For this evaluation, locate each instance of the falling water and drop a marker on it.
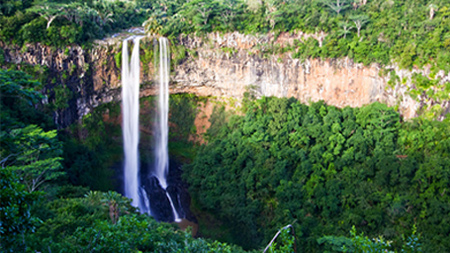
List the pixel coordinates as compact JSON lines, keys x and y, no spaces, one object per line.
{"x":162,"y":126}
{"x":130,"y":108}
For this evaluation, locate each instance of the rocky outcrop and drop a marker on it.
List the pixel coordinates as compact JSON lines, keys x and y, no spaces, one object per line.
{"x":222,"y":65}
{"x":69,"y":67}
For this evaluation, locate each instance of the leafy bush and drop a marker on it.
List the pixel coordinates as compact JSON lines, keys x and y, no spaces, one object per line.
{"x":106,"y":222}
{"x":361,"y":243}
{"x":15,"y":218}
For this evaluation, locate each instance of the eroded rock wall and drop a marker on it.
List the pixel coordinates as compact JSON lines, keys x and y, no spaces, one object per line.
{"x":229,"y":65}
{"x":221,"y":65}
{"x":68,"y":67}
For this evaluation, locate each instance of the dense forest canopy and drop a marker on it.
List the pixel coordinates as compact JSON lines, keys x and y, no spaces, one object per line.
{"x":60,"y":23}
{"x":411,"y":33}
{"x":44,"y":205}
{"x":407,"y":32}
{"x":325,"y":169}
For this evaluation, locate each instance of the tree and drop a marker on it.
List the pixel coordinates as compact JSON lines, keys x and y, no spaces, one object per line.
{"x":50,"y":11}
{"x":15,"y":218}
{"x":26,"y":148}
{"x":254,"y":5}
{"x":205,"y":8}
{"x":35,"y":155}
{"x":327,"y":168}
{"x":82,"y":224}
{"x":345,"y":28}
{"x":152,"y":27}
{"x":433,"y":8}
{"x":228,"y":12}
{"x":271,"y":9}
{"x":337,"y":5}
{"x":18,"y":100}
{"x":9,"y":7}
{"x":199,"y":12}
{"x":360,"y":21}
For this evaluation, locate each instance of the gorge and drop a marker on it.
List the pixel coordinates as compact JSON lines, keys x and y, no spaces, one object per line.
{"x":283,"y":126}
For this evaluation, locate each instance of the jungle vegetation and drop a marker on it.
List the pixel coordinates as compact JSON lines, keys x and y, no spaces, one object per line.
{"x":324,"y":170}
{"x":410,"y":33}
{"x":64,"y":22}
{"x":48,"y":183}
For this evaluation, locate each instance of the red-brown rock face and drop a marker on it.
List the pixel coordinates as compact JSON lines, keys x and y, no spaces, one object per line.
{"x":231,"y":64}
{"x":227,"y":65}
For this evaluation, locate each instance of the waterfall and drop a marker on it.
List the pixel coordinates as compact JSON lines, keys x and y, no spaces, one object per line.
{"x":130,"y":109}
{"x":162,"y":125}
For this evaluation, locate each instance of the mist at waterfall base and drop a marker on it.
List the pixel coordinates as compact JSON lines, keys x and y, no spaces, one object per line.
{"x":154,"y":187}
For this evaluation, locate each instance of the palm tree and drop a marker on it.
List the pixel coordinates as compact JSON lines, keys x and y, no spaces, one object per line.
{"x":50,"y":11}
{"x":433,"y":8}
{"x":345,"y":28}
{"x":337,"y":5}
{"x":360,"y":21}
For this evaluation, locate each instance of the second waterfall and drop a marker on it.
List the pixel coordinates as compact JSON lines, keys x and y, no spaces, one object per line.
{"x":162,"y":122}
{"x":151,"y":192}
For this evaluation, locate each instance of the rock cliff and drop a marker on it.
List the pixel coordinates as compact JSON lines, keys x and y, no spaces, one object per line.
{"x":231,"y":64}
{"x":222,"y":65}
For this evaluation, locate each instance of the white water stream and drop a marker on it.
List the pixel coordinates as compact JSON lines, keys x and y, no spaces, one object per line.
{"x":162,"y":125}
{"x":130,"y":108}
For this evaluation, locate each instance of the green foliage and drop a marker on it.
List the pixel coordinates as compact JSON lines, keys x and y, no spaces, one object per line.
{"x":367,"y":31}
{"x":28,"y":154}
{"x":87,"y":167}
{"x":430,"y":88}
{"x":286,"y":243}
{"x":15,"y":217}
{"x":92,"y":149}
{"x":361,"y":243}
{"x":59,"y":23}
{"x":2,"y":57}
{"x":218,"y":119}
{"x":62,"y":97}
{"x":118,"y":59}
{"x":34,"y":154}
{"x":178,"y":54}
{"x":27,"y":149}
{"x":152,"y":27}
{"x":141,"y":234}
{"x":19,"y":101}
{"x":146,"y":57}
{"x":327,"y":168}
{"x":183,"y":110}
{"x":337,"y":6}
{"x":106,"y":222}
